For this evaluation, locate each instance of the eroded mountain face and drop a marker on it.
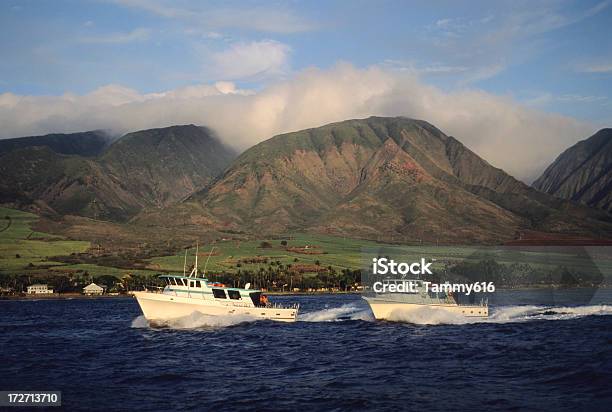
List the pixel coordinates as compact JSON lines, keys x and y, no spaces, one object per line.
{"x":390,"y":177}
{"x":583,"y":173}
{"x":149,"y":168}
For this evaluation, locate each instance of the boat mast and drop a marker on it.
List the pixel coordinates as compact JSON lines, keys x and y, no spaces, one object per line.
{"x":185,"y":264}
{"x":207,"y":259}
{"x":195,"y":269}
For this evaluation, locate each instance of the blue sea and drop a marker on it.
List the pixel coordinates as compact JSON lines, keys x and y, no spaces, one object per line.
{"x":538,"y":351}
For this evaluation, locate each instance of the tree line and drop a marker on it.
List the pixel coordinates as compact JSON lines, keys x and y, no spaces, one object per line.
{"x":276,"y":277}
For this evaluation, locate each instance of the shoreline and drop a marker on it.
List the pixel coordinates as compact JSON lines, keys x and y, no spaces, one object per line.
{"x":61,"y":296}
{"x":71,"y":296}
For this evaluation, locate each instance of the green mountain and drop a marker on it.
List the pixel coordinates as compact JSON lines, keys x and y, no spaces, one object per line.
{"x":150,"y":168}
{"x":89,"y":144}
{"x":162,"y":166}
{"x":582,"y":173}
{"x":380,"y":178}
{"x":39,"y":179}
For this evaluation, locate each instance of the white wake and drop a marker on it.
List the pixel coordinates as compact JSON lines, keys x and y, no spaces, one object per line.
{"x":501,"y":314}
{"x":196,"y":320}
{"x":348,"y":311}
{"x":422,"y":316}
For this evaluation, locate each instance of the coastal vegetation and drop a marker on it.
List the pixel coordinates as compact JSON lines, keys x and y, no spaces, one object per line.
{"x":297,"y":262}
{"x":28,"y":256}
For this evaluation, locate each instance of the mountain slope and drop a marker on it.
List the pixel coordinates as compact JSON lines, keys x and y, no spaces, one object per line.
{"x":378,"y":177}
{"x":84,"y":144}
{"x":161,"y":166}
{"x":150,"y":168}
{"x":41,"y":179}
{"x":582,"y":173}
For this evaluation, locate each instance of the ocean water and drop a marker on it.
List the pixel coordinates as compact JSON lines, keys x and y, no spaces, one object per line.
{"x":103,"y":355}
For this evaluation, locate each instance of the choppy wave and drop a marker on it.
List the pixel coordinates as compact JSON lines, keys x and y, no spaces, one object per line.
{"x":349,"y":311}
{"x":422,"y":316}
{"x":501,"y":314}
{"x":140,"y":322}
{"x":196,"y":320}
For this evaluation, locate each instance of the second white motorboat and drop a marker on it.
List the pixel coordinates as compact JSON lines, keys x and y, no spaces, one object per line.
{"x":391,"y":306}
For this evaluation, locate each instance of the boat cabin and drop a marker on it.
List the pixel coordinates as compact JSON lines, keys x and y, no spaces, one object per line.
{"x":202,"y":288}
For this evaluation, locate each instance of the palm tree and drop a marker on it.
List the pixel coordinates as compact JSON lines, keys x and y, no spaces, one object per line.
{"x":126,"y":280}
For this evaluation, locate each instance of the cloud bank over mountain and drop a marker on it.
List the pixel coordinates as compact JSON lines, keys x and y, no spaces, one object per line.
{"x":516,"y":138}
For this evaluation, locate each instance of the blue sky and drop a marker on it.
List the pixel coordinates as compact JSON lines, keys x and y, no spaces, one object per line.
{"x":555,"y":55}
{"x":534,"y":56}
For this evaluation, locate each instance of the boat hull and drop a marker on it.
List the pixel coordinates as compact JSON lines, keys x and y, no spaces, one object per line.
{"x":161,"y":308}
{"x":385,"y":310}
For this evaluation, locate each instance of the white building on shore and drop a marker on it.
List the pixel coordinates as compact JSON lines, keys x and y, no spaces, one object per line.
{"x":39,"y":289}
{"x":93,"y":289}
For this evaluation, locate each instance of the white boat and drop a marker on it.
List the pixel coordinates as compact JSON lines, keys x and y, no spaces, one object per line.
{"x":183,"y":295}
{"x":390,"y":306}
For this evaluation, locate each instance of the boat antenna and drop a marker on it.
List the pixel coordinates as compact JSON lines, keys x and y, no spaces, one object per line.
{"x":185,"y":263}
{"x":208,"y":258}
{"x":195,"y":269}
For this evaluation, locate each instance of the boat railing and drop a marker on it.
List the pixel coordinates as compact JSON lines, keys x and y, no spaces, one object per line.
{"x":228,"y":302}
{"x":281,"y":306}
{"x":484,"y":302}
{"x":276,"y":305}
{"x":238,"y":303}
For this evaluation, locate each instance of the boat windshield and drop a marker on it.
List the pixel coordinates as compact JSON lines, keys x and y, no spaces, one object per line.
{"x":219,"y":293}
{"x":256,"y":298}
{"x":233,"y":294}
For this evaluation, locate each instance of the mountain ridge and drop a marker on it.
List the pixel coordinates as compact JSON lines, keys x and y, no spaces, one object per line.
{"x":87,"y":144}
{"x":582,"y":173}
{"x":148,"y":168}
{"x":376,"y":177}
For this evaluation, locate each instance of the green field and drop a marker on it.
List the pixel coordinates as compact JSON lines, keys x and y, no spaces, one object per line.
{"x":340,"y":253}
{"x":337,"y":252}
{"x":20,"y":246}
{"x":26,"y":251}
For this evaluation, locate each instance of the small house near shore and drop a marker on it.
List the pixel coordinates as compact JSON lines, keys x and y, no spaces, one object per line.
{"x":93,"y":289}
{"x":39,"y":289}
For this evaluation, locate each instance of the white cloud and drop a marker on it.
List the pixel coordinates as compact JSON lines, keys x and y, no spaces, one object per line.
{"x":423,"y":69}
{"x":493,"y":42}
{"x":275,"y":19}
{"x":507,"y":134}
{"x":544,"y":99}
{"x":538,"y":18}
{"x":597,"y":68}
{"x":139,"y":34}
{"x":482,"y":73}
{"x":579,"y":98}
{"x":443,"y":23}
{"x":257,"y":59}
